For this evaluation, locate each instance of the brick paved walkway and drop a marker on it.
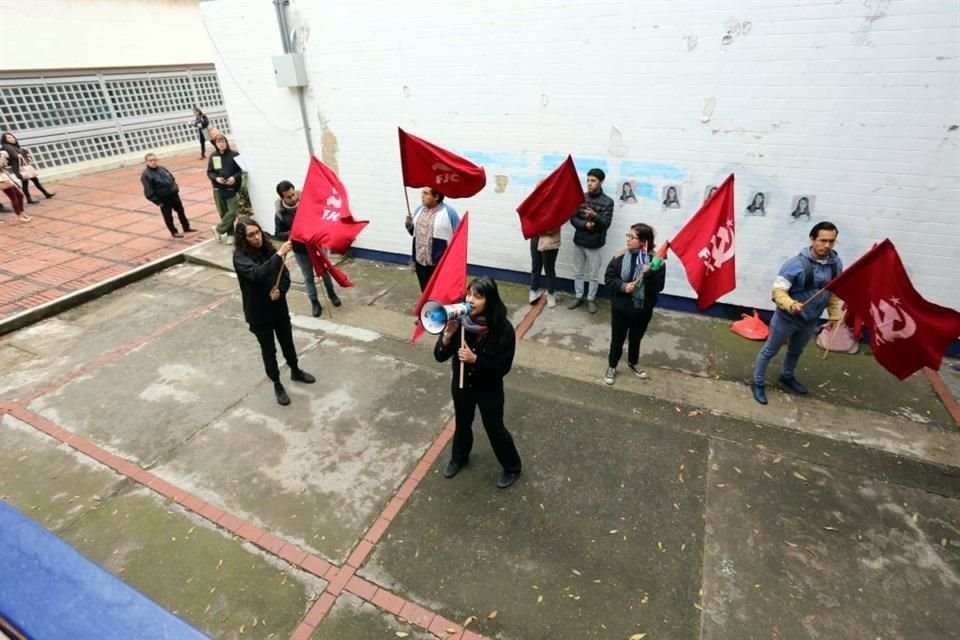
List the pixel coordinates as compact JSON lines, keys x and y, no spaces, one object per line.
{"x":98,"y":226}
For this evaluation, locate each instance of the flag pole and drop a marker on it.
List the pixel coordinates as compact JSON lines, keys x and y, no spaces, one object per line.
{"x":406,"y":197}
{"x":836,"y":330}
{"x":813,"y":297}
{"x":463,"y":343}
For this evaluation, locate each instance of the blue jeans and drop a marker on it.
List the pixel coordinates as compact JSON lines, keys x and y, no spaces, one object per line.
{"x":309,"y":281}
{"x":796,"y":336}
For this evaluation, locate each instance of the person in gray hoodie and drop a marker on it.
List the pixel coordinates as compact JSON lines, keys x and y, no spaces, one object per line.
{"x":796,"y":292}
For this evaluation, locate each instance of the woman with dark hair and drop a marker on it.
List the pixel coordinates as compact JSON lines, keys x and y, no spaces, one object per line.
{"x":803,"y":208}
{"x":227,"y":177}
{"x":21,"y":165}
{"x":202,"y":124}
{"x":634,"y":289}
{"x":670,"y":199}
{"x":264,"y":282}
{"x":626,"y":193}
{"x":487,"y":357}
{"x":9,"y":186}
{"x":757,"y":206}
{"x":432,"y":226}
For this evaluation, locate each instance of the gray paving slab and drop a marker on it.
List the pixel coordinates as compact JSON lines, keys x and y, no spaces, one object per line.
{"x":600,"y":538}
{"x":320,"y":470}
{"x":227,"y":589}
{"x":353,"y":619}
{"x":39,"y":354}
{"x":153,"y":398}
{"x":50,"y":482}
{"x":796,"y":550}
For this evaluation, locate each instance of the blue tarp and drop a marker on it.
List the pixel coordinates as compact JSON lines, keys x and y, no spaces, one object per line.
{"x":48,"y":591}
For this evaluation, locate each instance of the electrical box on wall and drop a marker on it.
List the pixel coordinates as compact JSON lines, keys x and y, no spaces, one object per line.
{"x":289,"y":70}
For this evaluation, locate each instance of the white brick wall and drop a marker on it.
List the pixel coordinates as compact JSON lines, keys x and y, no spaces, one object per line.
{"x":850,"y":101}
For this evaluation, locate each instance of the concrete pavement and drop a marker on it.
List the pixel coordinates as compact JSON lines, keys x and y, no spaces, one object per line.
{"x":142,"y":430}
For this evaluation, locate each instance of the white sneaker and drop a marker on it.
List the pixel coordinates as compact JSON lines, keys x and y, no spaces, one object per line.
{"x":551,"y":300}
{"x":216,"y":234}
{"x":640,"y":373}
{"x":610,"y":376}
{"x":534,"y":296}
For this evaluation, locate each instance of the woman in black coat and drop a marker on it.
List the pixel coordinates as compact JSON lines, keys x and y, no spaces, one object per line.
{"x":634,"y":288}
{"x":226,"y":176}
{"x":17,"y":157}
{"x":487,"y":357}
{"x":265,"y":300}
{"x":202,"y":124}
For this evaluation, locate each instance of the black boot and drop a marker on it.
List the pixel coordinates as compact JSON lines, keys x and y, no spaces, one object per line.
{"x":31,"y":200}
{"x":299,"y":375}
{"x":282,"y":396}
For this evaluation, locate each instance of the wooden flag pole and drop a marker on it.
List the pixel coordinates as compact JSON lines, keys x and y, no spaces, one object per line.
{"x":813,"y":297}
{"x":463,"y":343}
{"x":406,"y":197}
{"x":836,"y":330}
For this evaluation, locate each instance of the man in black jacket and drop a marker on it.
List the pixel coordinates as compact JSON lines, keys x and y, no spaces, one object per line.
{"x":286,"y":209}
{"x":591,"y":222}
{"x":160,"y":188}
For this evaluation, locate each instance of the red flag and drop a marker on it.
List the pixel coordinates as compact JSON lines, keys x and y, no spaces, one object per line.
{"x":448,"y":284}
{"x":553,"y":201}
{"x":427,"y":165}
{"x":323,"y":216}
{"x":705,"y":246}
{"x":322,"y":265}
{"x":907,"y":332}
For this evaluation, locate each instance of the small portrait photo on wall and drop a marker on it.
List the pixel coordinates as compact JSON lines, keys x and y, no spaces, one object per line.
{"x":628,"y":192}
{"x":802,"y":207}
{"x":758,"y":204}
{"x":709,"y":191}
{"x":671,"y":197}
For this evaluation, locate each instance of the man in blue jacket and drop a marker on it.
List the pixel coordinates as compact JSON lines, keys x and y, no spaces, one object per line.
{"x":799,"y":307}
{"x":591,"y":222}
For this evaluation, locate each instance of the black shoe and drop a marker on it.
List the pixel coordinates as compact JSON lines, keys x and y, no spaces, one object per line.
{"x":334,"y":298}
{"x":793,"y":385}
{"x":759,"y":393}
{"x":576,"y":303}
{"x":453,"y":468}
{"x":299,"y":375}
{"x":282,"y":396}
{"x":188,"y":230}
{"x":507,"y":478}
{"x":48,"y":195}
{"x":176,"y":234}
{"x":32,"y":201}
{"x":317,"y":308}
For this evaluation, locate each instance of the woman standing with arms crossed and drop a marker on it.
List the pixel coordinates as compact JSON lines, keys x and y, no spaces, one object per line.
{"x":264,"y":282}
{"x":634,"y":288}
{"x":487,"y":357}
{"x":202,"y":124}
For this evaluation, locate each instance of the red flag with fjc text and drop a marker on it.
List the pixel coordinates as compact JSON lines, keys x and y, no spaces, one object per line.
{"x":705,"y":246}
{"x":552,"y":203}
{"x":448,"y":284}
{"x":427,"y":165}
{"x":907,"y":332}
{"x":323,"y":216}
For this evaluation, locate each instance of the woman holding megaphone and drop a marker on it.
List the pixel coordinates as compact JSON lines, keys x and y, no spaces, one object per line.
{"x":484,"y":341}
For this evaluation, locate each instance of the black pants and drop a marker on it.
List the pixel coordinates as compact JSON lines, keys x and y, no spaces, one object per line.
{"x":268,"y":349}
{"x":542,"y":260}
{"x":423,"y":274}
{"x":624,"y":324}
{"x":25,"y":184}
{"x":490,"y":402}
{"x":169,"y":204}
{"x":203,"y":144}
